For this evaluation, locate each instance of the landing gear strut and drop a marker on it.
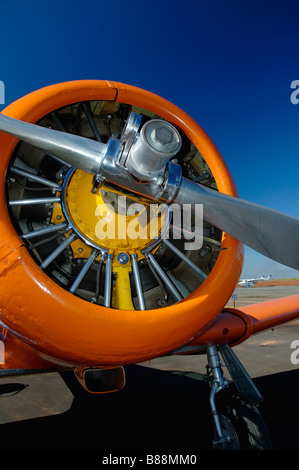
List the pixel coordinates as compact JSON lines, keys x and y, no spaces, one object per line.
{"x":238,"y":423}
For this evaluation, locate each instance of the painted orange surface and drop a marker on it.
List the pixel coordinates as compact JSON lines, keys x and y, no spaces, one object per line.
{"x":235,"y":325}
{"x":70,"y":331}
{"x":271,"y":313}
{"x":278,"y":282}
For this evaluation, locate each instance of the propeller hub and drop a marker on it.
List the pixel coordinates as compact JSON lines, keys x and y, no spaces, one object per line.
{"x":156,"y":144}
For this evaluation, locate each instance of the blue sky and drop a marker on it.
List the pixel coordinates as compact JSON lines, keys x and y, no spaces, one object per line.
{"x":229,"y":64}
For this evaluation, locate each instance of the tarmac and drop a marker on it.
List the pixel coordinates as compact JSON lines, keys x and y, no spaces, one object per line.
{"x":164,"y":406}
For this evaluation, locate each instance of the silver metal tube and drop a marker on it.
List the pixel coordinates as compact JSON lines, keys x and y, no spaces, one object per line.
{"x":44,"y":231}
{"x":58,"y":250}
{"x":215,"y":413}
{"x":108,"y":279}
{"x":83,"y":271}
{"x":217,"y":384}
{"x":215,"y":364}
{"x":38,"y":179}
{"x":169,"y":285}
{"x":138,"y":285}
{"x":185,"y":258}
{"x":32,"y":202}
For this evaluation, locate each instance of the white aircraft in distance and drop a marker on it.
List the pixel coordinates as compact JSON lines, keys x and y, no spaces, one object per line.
{"x":252,"y":282}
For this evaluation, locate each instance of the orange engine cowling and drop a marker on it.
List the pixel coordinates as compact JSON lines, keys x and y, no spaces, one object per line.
{"x":57,"y":273}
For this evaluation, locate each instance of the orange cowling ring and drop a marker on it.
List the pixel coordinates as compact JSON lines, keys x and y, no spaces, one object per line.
{"x":70,"y":330}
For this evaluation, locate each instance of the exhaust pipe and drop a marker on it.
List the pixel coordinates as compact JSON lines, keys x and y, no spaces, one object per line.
{"x":101,"y":380}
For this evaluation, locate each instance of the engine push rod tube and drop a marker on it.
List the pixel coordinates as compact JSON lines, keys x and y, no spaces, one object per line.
{"x":45,"y":231}
{"x":33,"y":177}
{"x":58,"y":250}
{"x":83,"y":271}
{"x":168,"y":283}
{"x":138,"y":284}
{"x":184,"y":258}
{"x":108,"y":281}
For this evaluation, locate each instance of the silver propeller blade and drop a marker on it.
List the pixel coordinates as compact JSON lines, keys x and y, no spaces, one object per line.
{"x":267,"y":231}
{"x":75,"y":150}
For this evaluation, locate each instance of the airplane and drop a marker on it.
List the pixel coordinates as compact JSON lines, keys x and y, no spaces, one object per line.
{"x":252,"y":282}
{"x":73,"y":299}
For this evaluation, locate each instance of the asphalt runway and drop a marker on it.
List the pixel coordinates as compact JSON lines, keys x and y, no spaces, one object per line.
{"x":164,"y":406}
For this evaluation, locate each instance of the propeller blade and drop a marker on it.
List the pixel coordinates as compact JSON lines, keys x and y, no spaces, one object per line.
{"x":78,"y":151}
{"x":267,"y":231}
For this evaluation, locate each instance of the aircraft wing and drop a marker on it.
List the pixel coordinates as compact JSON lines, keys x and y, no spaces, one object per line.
{"x":235,"y":325}
{"x":256,"y":279}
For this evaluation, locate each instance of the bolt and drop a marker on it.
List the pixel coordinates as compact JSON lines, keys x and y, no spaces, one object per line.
{"x":163,"y":135}
{"x":122,"y":258}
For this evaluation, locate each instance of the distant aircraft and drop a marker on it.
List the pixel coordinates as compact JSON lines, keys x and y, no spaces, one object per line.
{"x":252,"y":282}
{"x":72,"y":300}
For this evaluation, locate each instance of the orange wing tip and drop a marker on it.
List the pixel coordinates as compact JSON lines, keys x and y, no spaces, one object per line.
{"x":234,"y":326}
{"x":265,"y":315}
